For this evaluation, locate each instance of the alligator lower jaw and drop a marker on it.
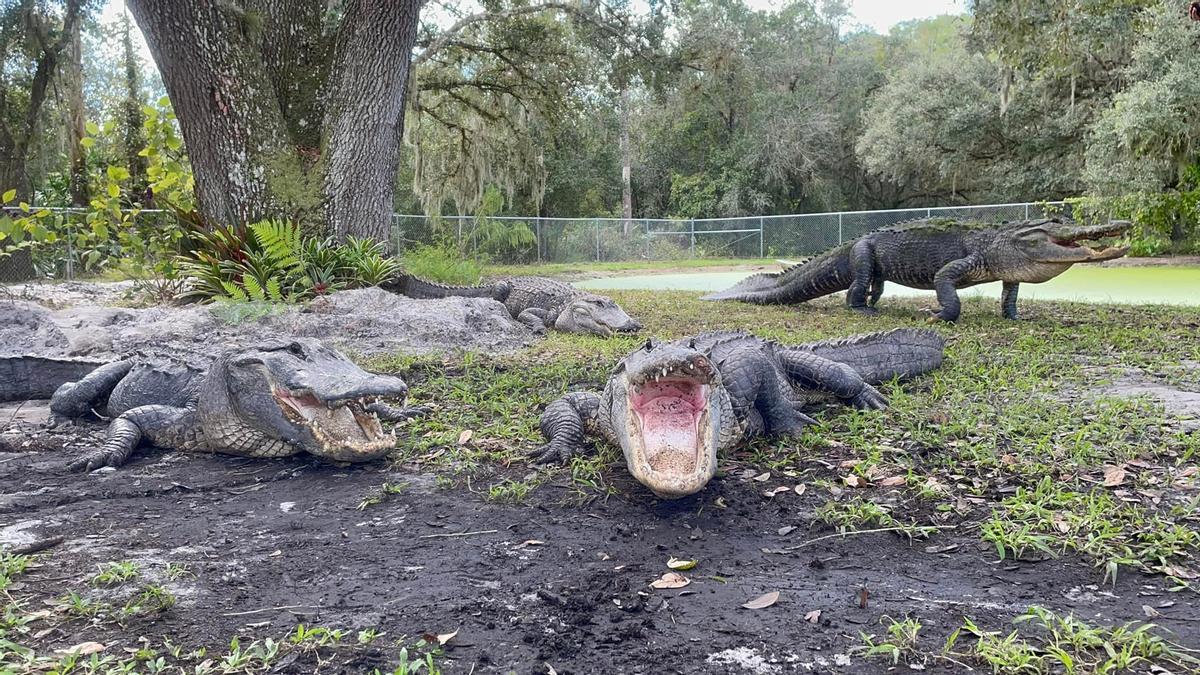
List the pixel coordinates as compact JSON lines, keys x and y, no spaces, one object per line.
{"x":342,"y":427}
{"x":671,"y":434}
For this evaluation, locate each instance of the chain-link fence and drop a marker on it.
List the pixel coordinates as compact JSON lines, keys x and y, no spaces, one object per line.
{"x":80,"y":246}
{"x":514,"y":239}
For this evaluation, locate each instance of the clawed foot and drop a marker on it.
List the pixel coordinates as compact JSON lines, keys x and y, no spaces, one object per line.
{"x":869,"y":398}
{"x":556,"y":453}
{"x":94,"y":459}
{"x":937,"y":316}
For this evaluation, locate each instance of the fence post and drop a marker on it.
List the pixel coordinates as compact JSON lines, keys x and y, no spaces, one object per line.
{"x":1027,"y":211}
{"x":692,"y":228}
{"x":840,"y":237}
{"x":458,"y":240}
{"x":70,"y":251}
{"x":761,"y":252}
{"x":928,"y":213}
{"x":646,"y":227}
{"x":597,"y":222}
{"x":537,"y":229}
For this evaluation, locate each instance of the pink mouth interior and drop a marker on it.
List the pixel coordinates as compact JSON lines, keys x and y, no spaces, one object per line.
{"x":669,"y":411}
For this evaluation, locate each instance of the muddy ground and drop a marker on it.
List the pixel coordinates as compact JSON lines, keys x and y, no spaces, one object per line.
{"x":273,"y":543}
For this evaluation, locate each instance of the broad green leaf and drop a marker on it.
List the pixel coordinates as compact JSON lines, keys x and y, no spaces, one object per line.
{"x":117,"y":173}
{"x":87,"y":141}
{"x":9,"y":196}
{"x":93,"y":129}
{"x":24,"y":206}
{"x":114,"y":190}
{"x":164,"y":102}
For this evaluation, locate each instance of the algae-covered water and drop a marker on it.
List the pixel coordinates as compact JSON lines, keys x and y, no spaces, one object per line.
{"x":1135,"y":285}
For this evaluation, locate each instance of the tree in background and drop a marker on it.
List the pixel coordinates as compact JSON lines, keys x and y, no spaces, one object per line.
{"x":133,"y":138}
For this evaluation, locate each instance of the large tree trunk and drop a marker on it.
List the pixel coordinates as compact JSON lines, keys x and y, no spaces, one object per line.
{"x":133,"y":138}
{"x":626,"y":165}
{"x":280,"y":112}
{"x":77,"y":123}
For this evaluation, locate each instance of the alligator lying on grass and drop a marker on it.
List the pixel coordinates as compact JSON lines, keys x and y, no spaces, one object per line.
{"x":937,"y":253}
{"x":537,"y":302}
{"x":672,"y":406}
{"x":272,"y":400}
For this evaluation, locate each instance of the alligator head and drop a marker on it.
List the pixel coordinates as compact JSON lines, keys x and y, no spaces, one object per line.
{"x":1051,"y":241}
{"x":595,"y":314}
{"x":303,"y":393}
{"x":670,"y":412}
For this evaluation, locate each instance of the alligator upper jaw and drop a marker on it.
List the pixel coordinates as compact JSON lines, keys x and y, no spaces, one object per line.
{"x":671,"y":444}
{"x":1071,"y":245}
{"x":344,"y":423}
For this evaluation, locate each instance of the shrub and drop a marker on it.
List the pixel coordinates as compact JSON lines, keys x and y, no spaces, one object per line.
{"x":443,"y":263}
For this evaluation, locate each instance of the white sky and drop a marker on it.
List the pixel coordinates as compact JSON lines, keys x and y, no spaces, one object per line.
{"x":881,"y":15}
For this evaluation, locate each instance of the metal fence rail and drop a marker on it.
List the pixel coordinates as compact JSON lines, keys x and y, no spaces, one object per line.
{"x":614,"y":239}
{"x":516,"y":239}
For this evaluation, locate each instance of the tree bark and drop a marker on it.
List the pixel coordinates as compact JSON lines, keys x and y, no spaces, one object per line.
{"x":626,"y":166}
{"x":132,"y":138}
{"x":77,"y":122}
{"x":270,"y":94}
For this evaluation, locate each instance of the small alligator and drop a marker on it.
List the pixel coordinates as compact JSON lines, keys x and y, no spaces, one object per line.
{"x":271,"y":400}
{"x":672,"y":406}
{"x":537,"y":302}
{"x":936,"y":253}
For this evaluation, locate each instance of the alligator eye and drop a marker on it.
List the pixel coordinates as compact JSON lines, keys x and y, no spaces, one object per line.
{"x":649,"y":346}
{"x":296,"y":348}
{"x":692,"y":343}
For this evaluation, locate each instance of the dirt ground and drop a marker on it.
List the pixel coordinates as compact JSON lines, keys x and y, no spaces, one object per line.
{"x":273,"y":543}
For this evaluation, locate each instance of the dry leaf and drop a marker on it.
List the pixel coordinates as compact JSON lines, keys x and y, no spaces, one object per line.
{"x":855,"y":481}
{"x":1178,"y":572}
{"x":1150,"y":611}
{"x":1113,"y":475}
{"x":83,"y":648}
{"x":763,"y":477}
{"x":720,"y":503}
{"x":763,"y":601}
{"x":677,"y":564}
{"x":799,"y":489}
{"x":774,"y":491}
{"x":465,"y":436}
{"x":1062,"y":525}
{"x":813,"y":616}
{"x":863,"y":595}
{"x":892,"y":481}
{"x":439,"y":639}
{"x":530,"y":542}
{"x":670,"y":580}
{"x":786,"y":530}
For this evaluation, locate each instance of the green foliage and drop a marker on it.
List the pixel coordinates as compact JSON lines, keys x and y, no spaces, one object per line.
{"x":270,"y":262}
{"x":443,"y":263}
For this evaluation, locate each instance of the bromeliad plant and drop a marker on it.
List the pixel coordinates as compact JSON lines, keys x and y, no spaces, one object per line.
{"x":271,"y":261}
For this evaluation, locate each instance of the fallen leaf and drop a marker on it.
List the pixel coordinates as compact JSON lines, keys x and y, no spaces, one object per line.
{"x":465,"y":436}
{"x":799,"y":489}
{"x":1178,"y":572}
{"x":763,"y":601}
{"x":1113,"y":475}
{"x":774,"y":491}
{"x":275,"y":554}
{"x":892,"y":481}
{"x":863,"y":595}
{"x":813,"y":616}
{"x":670,"y":580}
{"x":83,"y":648}
{"x":530,"y":542}
{"x":677,"y":564}
{"x":1062,"y":525}
{"x":720,"y":503}
{"x":1150,"y":611}
{"x":855,"y":481}
{"x":786,"y":530}
{"x":763,"y":477}
{"x":850,"y":463}
{"x":550,"y":669}
{"x":440,"y":638}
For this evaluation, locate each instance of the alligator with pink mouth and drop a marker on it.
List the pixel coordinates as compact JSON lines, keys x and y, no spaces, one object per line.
{"x":672,"y":406}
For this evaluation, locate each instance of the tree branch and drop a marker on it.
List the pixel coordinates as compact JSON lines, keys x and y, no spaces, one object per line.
{"x":462,"y":23}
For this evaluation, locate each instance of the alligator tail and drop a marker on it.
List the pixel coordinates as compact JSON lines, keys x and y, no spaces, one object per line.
{"x":416,"y":287}
{"x":826,"y":273}
{"x":879,"y":357}
{"x":24,"y":378}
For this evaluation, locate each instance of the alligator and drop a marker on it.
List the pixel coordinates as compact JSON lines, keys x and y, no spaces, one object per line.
{"x":270,"y":400}
{"x":935,"y":253}
{"x":672,"y":406}
{"x":537,"y":302}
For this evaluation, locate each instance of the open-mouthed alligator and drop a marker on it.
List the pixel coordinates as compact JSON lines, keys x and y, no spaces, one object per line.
{"x":671,"y":407}
{"x":935,"y":253}
{"x":271,"y":400}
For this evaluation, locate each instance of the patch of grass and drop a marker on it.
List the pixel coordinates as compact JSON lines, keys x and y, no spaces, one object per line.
{"x":509,"y":491}
{"x":1053,"y":643}
{"x":442,"y":263}
{"x":379,"y":496}
{"x":862,"y":514}
{"x":584,"y":268}
{"x":113,"y":573}
{"x":11,"y":567}
{"x":899,"y":642}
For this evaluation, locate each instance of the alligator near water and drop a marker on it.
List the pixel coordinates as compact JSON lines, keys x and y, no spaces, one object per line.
{"x":537,"y":302}
{"x":934,"y":253}
{"x":271,"y":400}
{"x":672,"y":406}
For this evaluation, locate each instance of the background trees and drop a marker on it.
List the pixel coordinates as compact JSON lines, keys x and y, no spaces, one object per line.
{"x":698,"y":108}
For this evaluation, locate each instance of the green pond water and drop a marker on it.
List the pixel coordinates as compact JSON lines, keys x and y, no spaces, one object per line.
{"x":1137,"y":285}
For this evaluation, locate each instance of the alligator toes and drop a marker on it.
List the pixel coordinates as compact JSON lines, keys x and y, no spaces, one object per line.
{"x":91,"y":461}
{"x":869,"y":398}
{"x":555,"y":454}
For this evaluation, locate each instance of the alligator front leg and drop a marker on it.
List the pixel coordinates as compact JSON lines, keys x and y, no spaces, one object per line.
{"x":862,"y":270}
{"x":160,"y":424}
{"x":535,"y":319}
{"x":1008,"y":299}
{"x":393,"y":413}
{"x":945,"y":282}
{"x":817,"y":372}
{"x":565,"y":425}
